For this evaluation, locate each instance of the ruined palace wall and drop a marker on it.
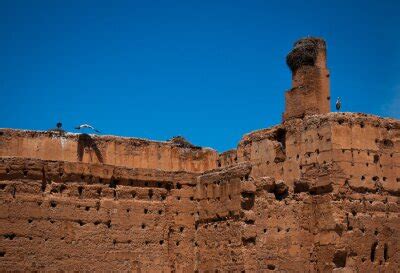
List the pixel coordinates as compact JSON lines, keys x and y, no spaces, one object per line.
{"x":327,"y":194}
{"x":126,"y":152}
{"x":223,"y":196}
{"x":78,"y":216}
{"x":311,"y":195}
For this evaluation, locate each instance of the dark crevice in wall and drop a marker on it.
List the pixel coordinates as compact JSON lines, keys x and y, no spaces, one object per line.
{"x":248,"y":199}
{"x":249,"y":241}
{"x":373,"y":251}
{"x":386,"y":252}
{"x":339,"y":258}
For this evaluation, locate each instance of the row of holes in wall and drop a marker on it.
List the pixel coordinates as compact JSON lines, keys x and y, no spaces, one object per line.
{"x":80,"y":191}
{"x":168,"y":185}
{"x":11,"y":236}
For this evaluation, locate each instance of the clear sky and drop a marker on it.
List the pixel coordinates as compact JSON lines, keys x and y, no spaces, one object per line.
{"x":208,"y":70}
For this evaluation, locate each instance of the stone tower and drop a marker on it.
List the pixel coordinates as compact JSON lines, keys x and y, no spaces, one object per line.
{"x":310,"y":93}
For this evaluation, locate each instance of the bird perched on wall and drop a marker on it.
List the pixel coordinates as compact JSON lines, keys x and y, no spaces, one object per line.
{"x":86,"y":126}
{"x":58,"y":129}
{"x":338,"y":104}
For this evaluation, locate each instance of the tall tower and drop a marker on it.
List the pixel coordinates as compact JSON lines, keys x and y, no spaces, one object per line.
{"x":310,"y":92}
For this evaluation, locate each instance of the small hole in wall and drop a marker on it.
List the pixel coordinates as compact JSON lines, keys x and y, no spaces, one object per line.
{"x":373,"y":251}
{"x":97,"y":205}
{"x":133,"y":194}
{"x":376,"y":158}
{"x":145,"y":211}
{"x":191,"y":198}
{"x":271,"y":267}
{"x":30,"y":221}
{"x":99,"y":191}
{"x":362,"y":177}
{"x":146,"y":184}
{"x":87,"y":208}
{"x":80,"y":190}
{"x":317,"y":151}
{"x":25,"y":173}
{"x":161,"y":242}
{"x":178,"y":198}
{"x":10,"y":236}
{"x":160,"y":212}
{"x":177,"y":243}
{"x":265,"y":230}
{"x":375,"y":178}
{"x":178,"y":186}
{"x":386,"y":252}
{"x":384,"y":178}
{"x":362,"y":125}
{"x":151,"y":194}
{"x":2,"y":253}
{"x":53,"y":204}
{"x":339,"y":258}
{"x":367,"y":164}
{"x":181,"y":229}
{"x":113,"y":183}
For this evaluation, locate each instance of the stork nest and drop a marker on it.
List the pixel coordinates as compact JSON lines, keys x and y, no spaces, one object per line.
{"x":304,"y":53}
{"x":180,"y":141}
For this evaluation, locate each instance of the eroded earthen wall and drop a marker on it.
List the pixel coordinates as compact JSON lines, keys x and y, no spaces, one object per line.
{"x":317,"y":194}
{"x":116,"y":151}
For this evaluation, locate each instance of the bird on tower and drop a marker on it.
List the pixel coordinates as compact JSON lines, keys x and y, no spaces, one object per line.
{"x":338,"y":104}
{"x":86,"y":126}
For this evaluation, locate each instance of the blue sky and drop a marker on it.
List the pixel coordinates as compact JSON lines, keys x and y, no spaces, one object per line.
{"x":208,"y":70}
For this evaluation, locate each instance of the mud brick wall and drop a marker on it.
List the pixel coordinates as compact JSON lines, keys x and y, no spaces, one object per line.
{"x":317,"y":194}
{"x":78,"y":216}
{"x":224,"y":198}
{"x":116,"y":151}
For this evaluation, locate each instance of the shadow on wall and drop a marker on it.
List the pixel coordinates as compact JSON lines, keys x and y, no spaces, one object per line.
{"x":86,"y":141}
